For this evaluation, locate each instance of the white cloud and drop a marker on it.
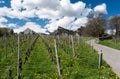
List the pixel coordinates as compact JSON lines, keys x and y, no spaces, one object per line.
{"x":50,"y":4}
{"x":48,"y":13}
{"x":67,"y":23}
{"x":72,"y":10}
{"x":63,"y":22}
{"x":2,"y":19}
{"x":4,"y":11}
{"x":59,"y":12}
{"x":11,"y":25}
{"x":16,"y":4}
{"x":101,"y":8}
{"x":1,"y":25}
{"x":110,"y":31}
{"x":79,"y":22}
{"x":46,"y":9}
{"x":33,"y":26}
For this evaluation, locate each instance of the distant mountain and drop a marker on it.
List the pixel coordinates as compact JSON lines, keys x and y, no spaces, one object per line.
{"x":62,"y":31}
{"x":28,"y":31}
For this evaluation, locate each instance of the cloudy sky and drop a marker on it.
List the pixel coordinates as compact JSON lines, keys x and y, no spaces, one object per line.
{"x":47,"y":15}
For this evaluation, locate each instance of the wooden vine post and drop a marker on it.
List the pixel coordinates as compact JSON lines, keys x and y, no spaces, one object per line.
{"x":10,"y":73}
{"x":57,"y":58}
{"x":73,"y":46}
{"x":5,"y":46}
{"x":78,"y":40}
{"x":18,"y":67}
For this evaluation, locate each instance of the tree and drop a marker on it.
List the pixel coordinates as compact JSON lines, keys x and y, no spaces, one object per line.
{"x":82,"y":31}
{"x":115,"y":22}
{"x":4,"y":31}
{"x":96,"y":26}
{"x":11,"y":32}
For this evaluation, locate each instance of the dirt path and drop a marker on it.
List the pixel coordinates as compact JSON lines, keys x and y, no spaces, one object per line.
{"x":110,"y":55}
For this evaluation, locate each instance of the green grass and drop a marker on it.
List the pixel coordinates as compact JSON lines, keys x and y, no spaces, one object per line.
{"x":111,"y":44}
{"x":39,"y":65}
{"x":85,"y":66}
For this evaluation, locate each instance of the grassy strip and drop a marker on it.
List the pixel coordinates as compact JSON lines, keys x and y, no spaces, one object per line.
{"x":88,"y":38}
{"x":39,"y":65}
{"x":111,"y":44}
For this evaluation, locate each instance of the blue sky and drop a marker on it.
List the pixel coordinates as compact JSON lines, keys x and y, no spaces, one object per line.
{"x":43,"y":15}
{"x":112,"y":5}
{"x":5,"y":3}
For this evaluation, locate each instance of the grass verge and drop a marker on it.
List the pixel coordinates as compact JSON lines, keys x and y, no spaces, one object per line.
{"x":111,"y":44}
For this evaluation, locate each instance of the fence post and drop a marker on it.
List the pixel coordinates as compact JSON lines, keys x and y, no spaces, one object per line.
{"x":100,"y":59}
{"x":73,"y":46}
{"x":78,"y":41}
{"x":18,"y":70}
{"x":57,"y":59}
{"x":5,"y":45}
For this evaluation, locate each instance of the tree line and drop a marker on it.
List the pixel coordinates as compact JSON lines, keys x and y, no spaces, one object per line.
{"x":6,"y":31}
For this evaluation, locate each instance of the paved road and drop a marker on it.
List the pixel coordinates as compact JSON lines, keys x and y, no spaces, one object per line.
{"x":110,"y":55}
